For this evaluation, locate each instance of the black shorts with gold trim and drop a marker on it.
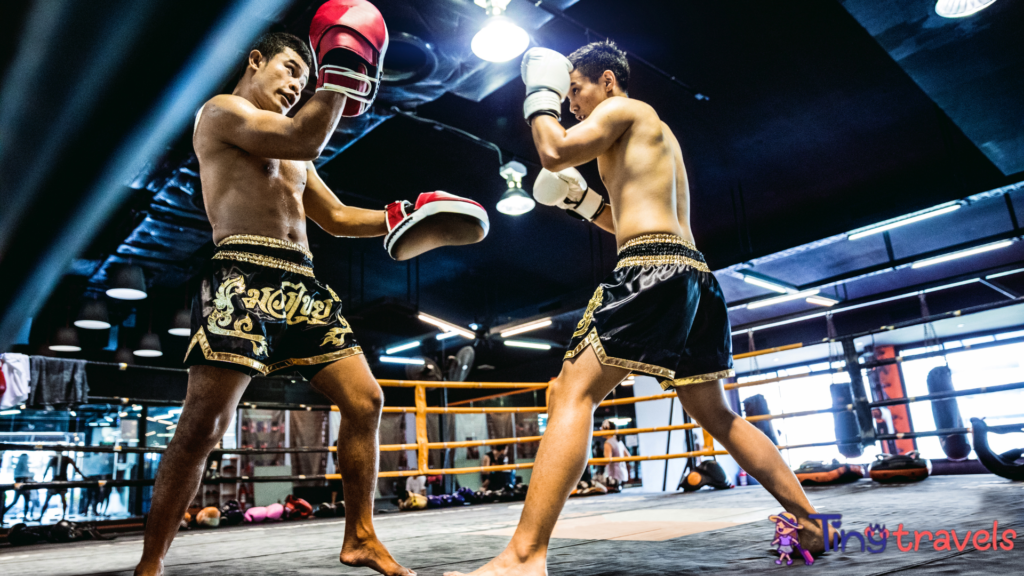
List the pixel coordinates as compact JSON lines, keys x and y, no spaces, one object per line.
{"x":660,"y":313}
{"x":259,"y":309}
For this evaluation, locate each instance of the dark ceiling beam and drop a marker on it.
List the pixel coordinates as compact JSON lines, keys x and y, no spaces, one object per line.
{"x":97,"y":89}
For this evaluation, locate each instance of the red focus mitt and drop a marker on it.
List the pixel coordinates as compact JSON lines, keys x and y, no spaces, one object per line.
{"x":349,"y":38}
{"x":437,"y":219}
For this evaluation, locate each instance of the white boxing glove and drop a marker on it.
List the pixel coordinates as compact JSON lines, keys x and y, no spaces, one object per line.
{"x":546,"y":75}
{"x":568,"y":190}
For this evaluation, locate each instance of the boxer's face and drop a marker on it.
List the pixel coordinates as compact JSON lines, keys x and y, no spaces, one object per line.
{"x":585,"y":95}
{"x":280,"y":80}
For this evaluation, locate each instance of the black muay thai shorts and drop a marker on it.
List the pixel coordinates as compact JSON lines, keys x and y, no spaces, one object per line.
{"x":259,"y":309}
{"x":661,"y":313}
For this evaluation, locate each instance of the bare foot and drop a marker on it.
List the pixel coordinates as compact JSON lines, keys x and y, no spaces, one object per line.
{"x":812,"y":538}
{"x":149,"y":569}
{"x":508,"y":564}
{"x":372,"y":554}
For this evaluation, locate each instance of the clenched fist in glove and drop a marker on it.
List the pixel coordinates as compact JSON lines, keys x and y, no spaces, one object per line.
{"x":568,"y":190}
{"x":546,"y":75}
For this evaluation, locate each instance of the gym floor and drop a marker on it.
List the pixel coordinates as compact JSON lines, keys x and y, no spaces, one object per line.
{"x":635,"y":533}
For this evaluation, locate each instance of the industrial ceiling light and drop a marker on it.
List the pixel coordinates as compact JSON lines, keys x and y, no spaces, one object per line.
{"x":407,"y":346}
{"x":764,"y":282}
{"x":446,"y":326}
{"x":447,"y":335}
{"x":149,"y":346}
{"x":65,"y":339}
{"x":960,"y":8}
{"x":961,"y":254}
{"x":514,"y":201}
{"x":526,"y":327}
{"x":402,"y":360}
{"x":781,"y":299}
{"x":500,"y":40}
{"x":822,"y":301}
{"x":127,"y":282}
{"x":524,"y":344}
{"x":903,"y":220}
{"x":93,"y":316}
{"x":182,"y":323}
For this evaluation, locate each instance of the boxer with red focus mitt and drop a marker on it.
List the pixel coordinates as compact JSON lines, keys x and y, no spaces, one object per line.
{"x":259,"y":186}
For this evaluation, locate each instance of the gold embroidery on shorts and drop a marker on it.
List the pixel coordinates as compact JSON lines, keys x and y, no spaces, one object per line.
{"x":254,"y":240}
{"x":594,"y":340}
{"x":588,"y":315}
{"x":321,"y":359}
{"x":661,"y":261}
{"x":658,"y":239}
{"x":713,"y":376}
{"x":220,"y":318}
{"x":261,"y":260}
{"x":336,"y":336}
{"x":209,"y":354}
{"x":294,"y":305}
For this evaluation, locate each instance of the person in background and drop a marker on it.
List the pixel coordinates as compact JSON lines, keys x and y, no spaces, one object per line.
{"x":497,"y":457}
{"x":416,"y":485}
{"x":614,"y":448}
{"x":60,"y":466}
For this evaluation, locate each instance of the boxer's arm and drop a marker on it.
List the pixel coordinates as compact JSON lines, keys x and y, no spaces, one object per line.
{"x":324,"y":208}
{"x":236,"y":121}
{"x":604,"y":220}
{"x":560,"y":148}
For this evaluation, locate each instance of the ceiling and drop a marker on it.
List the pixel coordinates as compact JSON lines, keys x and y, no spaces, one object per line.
{"x":821,"y":117}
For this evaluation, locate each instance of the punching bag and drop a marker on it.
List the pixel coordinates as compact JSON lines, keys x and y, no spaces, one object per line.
{"x":947,"y":414}
{"x":847,"y":427}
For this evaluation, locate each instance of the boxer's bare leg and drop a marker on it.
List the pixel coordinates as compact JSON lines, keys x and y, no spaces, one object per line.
{"x":563,"y":453}
{"x":754,"y":452}
{"x":210,"y":403}
{"x":349,"y":384}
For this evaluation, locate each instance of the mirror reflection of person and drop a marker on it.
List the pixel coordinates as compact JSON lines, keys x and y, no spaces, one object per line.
{"x":59,"y":466}
{"x":22,"y":475}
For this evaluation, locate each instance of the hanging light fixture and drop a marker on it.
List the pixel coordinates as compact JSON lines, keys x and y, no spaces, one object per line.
{"x":182,"y":323}
{"x":127,"y":282}
{"x":961,"y":8}
{"x":500,"y":40}
{"x":65,"y":339}
{"x":149,"y":346}
{"x":124,"y":355}
{"x":93,"y":316}
{"x":514,"y":201}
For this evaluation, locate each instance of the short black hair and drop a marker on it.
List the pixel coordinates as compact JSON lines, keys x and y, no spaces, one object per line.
{"x":593,"y":59}
{"x":273,"y":43}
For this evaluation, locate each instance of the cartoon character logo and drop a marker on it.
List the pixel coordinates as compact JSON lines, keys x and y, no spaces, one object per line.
{"x":787,"y":539}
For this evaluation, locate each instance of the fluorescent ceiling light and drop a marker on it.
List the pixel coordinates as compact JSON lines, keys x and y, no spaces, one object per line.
{"x":523,"y":344}
{"x":961,"y":254}
{"x":961,"y":8}
{"x":781,"y":299}
{"x":447,"y":335}
{"x":1001,"y":274}
{"x":903,"y":221}
{"x":822,"y":301}
{"x":447,"y":326}
{"x":1009,"y":335}
{"x":401,"y":360}
{"x":10,"y":412}
{"x":526,"y":327}
{"x":408,"y":346}
{"x":756,"y":281}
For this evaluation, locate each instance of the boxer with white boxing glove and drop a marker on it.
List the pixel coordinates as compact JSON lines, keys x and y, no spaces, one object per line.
{"x":568,"y":190}
{"x":660,"y":313}
{"x":259,"y":187}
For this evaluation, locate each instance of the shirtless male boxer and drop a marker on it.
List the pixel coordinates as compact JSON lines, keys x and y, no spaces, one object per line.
{"x":259,"y":308}
{"x":660,"y":313}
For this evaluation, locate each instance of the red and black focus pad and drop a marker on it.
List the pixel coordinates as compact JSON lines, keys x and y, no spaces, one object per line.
{"x":437,"y":219}
{"x":349,"y":40}
{"x":297,"y":508}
